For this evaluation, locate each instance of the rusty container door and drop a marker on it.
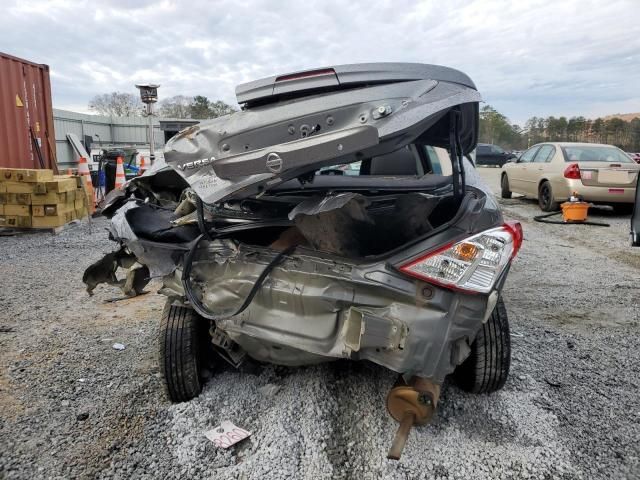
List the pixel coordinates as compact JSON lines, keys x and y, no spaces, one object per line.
{"x":27,"y":138}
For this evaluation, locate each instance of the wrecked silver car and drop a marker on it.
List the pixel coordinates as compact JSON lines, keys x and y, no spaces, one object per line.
{"x":335,"y":216}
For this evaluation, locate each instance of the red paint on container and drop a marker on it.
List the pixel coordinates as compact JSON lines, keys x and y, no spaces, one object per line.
{"x":25,"y":103}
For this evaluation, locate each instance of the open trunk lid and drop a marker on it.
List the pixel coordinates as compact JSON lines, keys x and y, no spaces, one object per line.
{"x":252,"y":151}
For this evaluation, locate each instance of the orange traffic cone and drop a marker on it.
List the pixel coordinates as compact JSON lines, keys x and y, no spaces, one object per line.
{"x":83,"y":171}
{"x":120,"y":176}
{"x":143,"y":167}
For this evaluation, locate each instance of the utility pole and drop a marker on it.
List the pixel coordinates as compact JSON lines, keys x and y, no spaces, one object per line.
{"x":149,"y":96}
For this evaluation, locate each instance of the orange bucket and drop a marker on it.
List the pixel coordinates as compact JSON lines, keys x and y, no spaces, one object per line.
{"x":574,"y":211}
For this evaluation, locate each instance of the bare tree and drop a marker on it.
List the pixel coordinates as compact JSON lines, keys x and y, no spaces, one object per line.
{"x":116,"y":104}
{"x":176,"y":107}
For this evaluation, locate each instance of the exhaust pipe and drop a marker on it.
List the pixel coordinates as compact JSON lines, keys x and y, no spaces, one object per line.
{"x":410,"y":404}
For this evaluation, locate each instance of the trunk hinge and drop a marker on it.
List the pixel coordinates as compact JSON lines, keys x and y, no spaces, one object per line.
{"x":455,"y":152}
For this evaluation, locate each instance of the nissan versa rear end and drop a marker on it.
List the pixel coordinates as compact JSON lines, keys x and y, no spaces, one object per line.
{"x":334,"y":217}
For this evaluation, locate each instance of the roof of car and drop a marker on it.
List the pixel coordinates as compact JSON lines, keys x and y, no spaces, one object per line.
{"x":574,"y":144}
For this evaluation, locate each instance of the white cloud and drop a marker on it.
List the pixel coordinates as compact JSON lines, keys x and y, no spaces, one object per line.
{"x":527,"y":58}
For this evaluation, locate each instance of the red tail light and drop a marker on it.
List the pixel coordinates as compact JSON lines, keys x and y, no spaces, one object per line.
{"x":473,"y":265}
{"x":518,"y":236}
{"x":308,"y":74}
{"x":572,"y":172}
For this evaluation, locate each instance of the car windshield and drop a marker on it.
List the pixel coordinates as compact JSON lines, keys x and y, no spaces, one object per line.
{"x":595,"y":154}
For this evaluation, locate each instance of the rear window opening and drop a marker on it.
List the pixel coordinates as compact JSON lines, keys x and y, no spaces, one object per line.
{"x":414,"y":160}
{"x":587,"y":153}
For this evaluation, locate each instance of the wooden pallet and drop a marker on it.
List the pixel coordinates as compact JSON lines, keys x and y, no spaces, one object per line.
{"x":12,"y":231}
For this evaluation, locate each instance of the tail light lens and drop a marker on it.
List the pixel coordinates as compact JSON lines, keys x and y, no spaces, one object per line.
{"x":572,"y":172}
{"x":472,"y":265}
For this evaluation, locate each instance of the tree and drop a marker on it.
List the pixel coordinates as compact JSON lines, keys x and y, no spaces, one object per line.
{"x":116,"y":104}
{"x":220,"y":108}
{"x":178,"y":106}
{"x":496,"y":128}
{"x":199,"y":107}
{"x":202,"y":107}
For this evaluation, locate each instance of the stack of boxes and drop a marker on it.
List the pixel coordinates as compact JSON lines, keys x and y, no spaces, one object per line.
{"x":40,"y":199}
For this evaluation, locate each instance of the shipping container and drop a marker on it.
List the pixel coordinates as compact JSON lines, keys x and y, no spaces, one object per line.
{"x":27,"y":138}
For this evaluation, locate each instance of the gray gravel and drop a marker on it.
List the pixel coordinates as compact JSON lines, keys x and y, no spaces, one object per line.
{"x":75,"y":407}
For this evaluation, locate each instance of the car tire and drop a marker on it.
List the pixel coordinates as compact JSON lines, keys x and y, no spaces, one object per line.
{"x":504,"y":184}
{"x":182,"y":350}
{"x":487,"y":367}
{"x":545,"y":198}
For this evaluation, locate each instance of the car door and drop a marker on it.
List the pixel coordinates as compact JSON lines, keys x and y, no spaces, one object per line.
{"x":517,"y":171}
{"x":539,"y":169}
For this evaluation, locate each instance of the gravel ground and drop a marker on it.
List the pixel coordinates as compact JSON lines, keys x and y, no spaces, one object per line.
{"x":75,"y":407}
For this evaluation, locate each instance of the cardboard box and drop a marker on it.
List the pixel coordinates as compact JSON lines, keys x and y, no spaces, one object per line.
{"x":51,"y":210}
{"x":15,"y":221}
{"x":19,"y":210}
{"x":66,"y":184}
{"x":25,"y":175}
{"x":3,"y":187}
{"x":49,"y":198}
{"x":53,"y":221}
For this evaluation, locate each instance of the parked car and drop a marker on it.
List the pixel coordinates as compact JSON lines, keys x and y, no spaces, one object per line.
{"x":551,"y":172}
{"x":493,"y":155}
{"x":634,"y":156}
{"x":271,"y":249}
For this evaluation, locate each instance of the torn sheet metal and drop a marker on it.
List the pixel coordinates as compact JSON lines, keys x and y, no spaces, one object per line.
{"x":160,"y":261}
{"x":314,"y":206}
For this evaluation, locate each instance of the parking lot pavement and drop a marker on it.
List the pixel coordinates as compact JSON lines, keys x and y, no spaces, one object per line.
{"x":75,"y":407}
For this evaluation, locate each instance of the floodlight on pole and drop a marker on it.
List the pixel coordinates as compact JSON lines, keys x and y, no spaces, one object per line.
{"x":149,"y":96}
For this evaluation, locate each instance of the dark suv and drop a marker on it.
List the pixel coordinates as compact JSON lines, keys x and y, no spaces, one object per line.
{"x":493,"y":155}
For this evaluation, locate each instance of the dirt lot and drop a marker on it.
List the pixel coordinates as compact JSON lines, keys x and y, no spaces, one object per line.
{"x":74,"y":407}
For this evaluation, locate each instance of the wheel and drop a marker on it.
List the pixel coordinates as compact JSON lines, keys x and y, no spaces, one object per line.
{"x":545,"y":198}
{"x":487,"y":367}
{"x":182,"y":340}
{"x":504,"y":183}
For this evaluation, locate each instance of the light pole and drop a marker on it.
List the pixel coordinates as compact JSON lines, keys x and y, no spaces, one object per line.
{"x":149,"y":96}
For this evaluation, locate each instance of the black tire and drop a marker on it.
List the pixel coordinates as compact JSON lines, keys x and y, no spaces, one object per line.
{"x":182,"y":350}
{"x":487,"y":367}
{"x":504,"y":184}
{"x":545,"y":198}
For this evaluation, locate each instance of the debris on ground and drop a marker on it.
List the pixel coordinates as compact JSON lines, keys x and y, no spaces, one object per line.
{"x":226,"y":434}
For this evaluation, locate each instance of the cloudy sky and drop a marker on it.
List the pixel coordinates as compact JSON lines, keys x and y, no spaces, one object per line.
{"x":571,"y":57}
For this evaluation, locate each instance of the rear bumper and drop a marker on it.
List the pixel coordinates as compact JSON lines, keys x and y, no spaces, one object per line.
{"x":596,"y":194}
{"x":312,"y":309}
